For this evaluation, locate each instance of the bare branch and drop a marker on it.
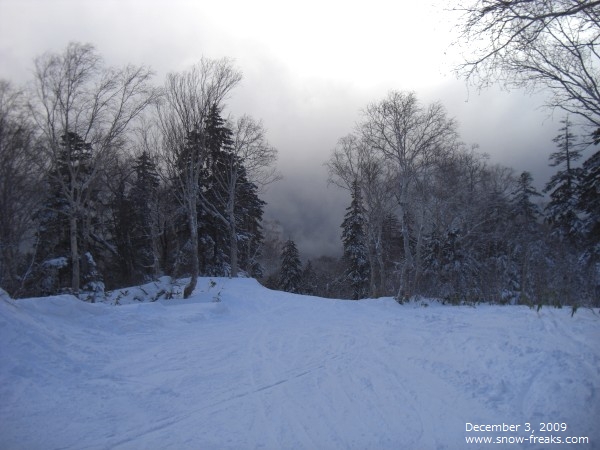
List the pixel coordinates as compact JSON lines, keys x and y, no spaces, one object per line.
{"x":549,"y":45}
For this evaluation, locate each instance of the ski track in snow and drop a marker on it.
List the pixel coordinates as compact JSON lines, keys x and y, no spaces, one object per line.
{"x":269,"y":370}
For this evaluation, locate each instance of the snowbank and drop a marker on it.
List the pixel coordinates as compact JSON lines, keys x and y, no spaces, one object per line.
{"x":4,"y":295}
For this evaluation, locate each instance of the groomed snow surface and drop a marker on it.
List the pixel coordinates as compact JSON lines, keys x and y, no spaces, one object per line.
{"x":238,"y":366}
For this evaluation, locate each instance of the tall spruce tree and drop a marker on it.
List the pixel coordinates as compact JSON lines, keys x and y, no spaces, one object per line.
{"x":248,"y":216}
{"x":122,"y":218}
{"x":182,"y":115}
{"x":230,"y":204}
{"x":355,"y":248}
{"x":60,"y":244}
{"x":290,"y":274}
{"x":213,"y":223}
{"x":21,"y":187}
{"x":526,"y":242}
{"x":229,"y":210}
{"x":186,"y":173}
{"x":310,"y":282}
{"x":561,"y":211}
{"x":589,"y":204}
{"x":524,"y":209}
{"x":392,"y":248}
{"x":589,"y":198}
{"x":143,"y":199}
{"x":79,"y":103}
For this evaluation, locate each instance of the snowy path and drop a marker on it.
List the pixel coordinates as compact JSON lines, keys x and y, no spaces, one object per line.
{"x":262,"y":369}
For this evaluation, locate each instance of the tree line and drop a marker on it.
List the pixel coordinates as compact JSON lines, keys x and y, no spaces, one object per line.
{"x":108,"y":180}
{"x":432,"y":217}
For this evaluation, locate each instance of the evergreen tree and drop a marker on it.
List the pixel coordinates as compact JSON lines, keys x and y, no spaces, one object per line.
{"x":562,"y":208}
{"x":231,"y":206}
{"x":524,"y":210}
{"x":527,"y":245}
{"x":229,"y":210}
{"x":51,"y":271}
{"x":77,"y":102}
{"x":187,"y":216}
{"x":248,"y":216}
{"x":485,"y":237}
{"x":392,"y":249}
{"x":122,"y":212}
{"x":143,"y":200}
{"x":355,"y":247}
{"x":218,"y":135}
{"x":290,"y":274}
{"x":589,"y":203}
{"x":21,"y":187}
{"x":68,"y":200}
{"x":589,"y":198}
{"x":309,"y":284}
{"x":213,"y":224}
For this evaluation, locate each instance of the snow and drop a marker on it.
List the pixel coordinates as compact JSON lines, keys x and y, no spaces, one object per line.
{"x":58,"y":263}
{"x":238,"y":366}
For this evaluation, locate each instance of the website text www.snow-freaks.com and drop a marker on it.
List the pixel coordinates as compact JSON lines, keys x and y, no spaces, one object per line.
{"x":546,"y":433}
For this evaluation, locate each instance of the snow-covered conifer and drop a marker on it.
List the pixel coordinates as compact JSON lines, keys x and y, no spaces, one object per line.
{"x":589,"y":196}
{"x":562,"y":208}
{"x":290,"y":273}
{"x":523,"y":208}
{"x":355,"y":247}
{"x":309,"y":283}
{"x":143,"y":198}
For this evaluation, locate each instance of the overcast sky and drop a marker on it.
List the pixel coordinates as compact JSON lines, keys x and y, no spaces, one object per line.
{"x":309,"y":67}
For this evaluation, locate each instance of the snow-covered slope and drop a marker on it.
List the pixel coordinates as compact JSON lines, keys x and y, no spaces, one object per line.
{"x":265,"y":369}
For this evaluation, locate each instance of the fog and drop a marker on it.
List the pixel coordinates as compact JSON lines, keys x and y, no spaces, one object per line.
{"x":308,"y":70}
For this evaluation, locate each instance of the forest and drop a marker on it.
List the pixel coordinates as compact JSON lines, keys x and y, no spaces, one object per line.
{"x":109,"y":179}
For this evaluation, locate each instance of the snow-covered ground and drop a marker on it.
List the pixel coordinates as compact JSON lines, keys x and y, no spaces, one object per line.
{"x":265,"y":369}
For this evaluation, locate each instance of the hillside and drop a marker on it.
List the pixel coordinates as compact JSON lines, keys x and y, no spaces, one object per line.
{"x":265,"y":369}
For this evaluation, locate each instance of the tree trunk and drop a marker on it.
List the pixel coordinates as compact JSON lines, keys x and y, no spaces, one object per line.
{"x":155,"y":257}
{"x":406,"y":272}
{"x":234,"y":252}
{"x":193,"y":219}
{"x":155,"y":240}
{"x":233,"y":241}
{"x":382,"y":274}
{"x":74,"y":255}
{"x":404,"y":290}
{"x":418,"y":262}
{"x":373,"y":271}
{"x":379,"y":259}
{"x":524,"y":272}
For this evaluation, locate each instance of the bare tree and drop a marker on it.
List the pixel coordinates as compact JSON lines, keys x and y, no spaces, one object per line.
{"x":410,"y":137}
{"x":251,"y":146}
{"x":352,"y":160}
{"x":76,"y":98}
{"x":537,"y":44}
{"x":19,"y":184}
{"x":188,"y":97}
